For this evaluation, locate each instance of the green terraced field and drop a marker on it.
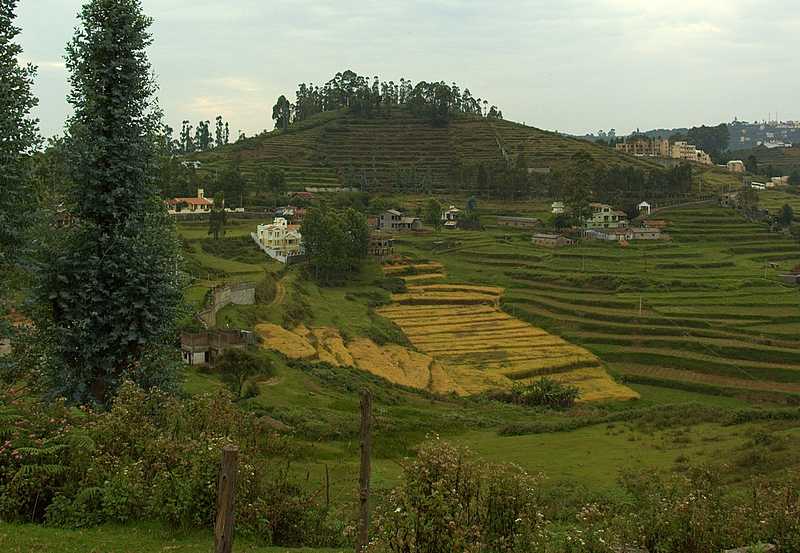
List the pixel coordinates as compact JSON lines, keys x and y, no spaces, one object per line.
{"x":701,"y":309}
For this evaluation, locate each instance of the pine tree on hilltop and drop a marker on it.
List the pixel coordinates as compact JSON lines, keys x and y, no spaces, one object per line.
{"x":17,"y":137}
{"x":110,"y":280}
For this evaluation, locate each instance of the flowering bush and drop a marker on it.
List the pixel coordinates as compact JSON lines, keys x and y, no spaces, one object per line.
{"x":450,"y":502}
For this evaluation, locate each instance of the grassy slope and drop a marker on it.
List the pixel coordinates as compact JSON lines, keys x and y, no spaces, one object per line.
{"x":320,"y":151}
{"x":713,"y":292}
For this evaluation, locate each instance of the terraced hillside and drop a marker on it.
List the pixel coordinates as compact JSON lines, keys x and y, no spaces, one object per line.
{"x":320,"y":151}
{"x":704,"y":311}
{"x":481,"y":348}
{"x":784,"y":160}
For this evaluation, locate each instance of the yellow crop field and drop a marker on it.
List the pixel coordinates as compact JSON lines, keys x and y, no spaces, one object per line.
{"x":418,"y":267}
{"x":478,"y":347}
{"x":395,"y":363}
{"x":412,"y":278}
{"x":285,"y":341}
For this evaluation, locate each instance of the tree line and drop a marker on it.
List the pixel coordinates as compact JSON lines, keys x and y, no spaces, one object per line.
{"x":438,"y":102}
{"x":195,"y":139}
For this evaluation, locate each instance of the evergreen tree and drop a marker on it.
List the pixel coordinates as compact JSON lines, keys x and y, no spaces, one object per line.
{"x":219,"y":132}
{"x":17,"y":137}
{"x":218,"y":217}
{"x":110,"y":278}
{"x":185,"y":139}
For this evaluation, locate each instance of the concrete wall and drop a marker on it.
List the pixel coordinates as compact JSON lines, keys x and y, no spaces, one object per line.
{"x":238,"y":294}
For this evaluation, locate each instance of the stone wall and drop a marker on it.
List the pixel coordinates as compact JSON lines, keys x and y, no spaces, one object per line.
{"x":238,"y":294}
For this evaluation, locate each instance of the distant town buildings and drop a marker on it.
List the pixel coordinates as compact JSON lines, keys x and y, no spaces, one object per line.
{"x":735,"y":166}
{"x":557,"y":207}
{"x":661,"y":147}
{"x":689,"y":152}
{"x":646,"y":146}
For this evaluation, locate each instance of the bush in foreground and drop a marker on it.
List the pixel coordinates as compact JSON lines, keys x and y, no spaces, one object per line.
{"x":151,"y":457}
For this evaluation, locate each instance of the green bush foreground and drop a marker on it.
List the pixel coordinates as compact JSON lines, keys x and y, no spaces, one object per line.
{"x":152,"y":459}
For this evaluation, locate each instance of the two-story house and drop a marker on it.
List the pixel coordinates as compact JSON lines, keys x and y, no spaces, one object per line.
{"x":604,"y":216}
{"x":389,"y":220}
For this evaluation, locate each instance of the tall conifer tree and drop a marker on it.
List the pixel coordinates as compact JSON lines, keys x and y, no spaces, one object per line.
{"x":111,"y":279}
{"x":17,"y":137}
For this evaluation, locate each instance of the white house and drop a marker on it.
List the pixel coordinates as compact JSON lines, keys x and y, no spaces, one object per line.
{"x":644,"y":206}
{"x":279,"y":240}
{"x":451,"y":214}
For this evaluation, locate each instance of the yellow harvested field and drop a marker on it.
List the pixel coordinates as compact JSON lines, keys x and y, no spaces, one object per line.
{"x":425,"y":276}
{"x":419,"y":267}
{"x":478,"y":347}
{"x":285,"y":341}
{"x":595,"y":385}
{"x":464,"y":344}
{"x":393,"y":362}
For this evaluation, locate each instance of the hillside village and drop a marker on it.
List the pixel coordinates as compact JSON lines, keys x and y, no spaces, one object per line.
{"x":396,"y":322}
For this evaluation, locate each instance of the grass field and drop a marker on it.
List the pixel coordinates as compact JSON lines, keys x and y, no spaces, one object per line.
{"x":705,"y":303}
{"x":690,"y":320}
{"x":120,"y":539}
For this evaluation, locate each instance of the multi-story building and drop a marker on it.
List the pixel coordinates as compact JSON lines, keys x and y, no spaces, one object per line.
{"x":689,"y":152}
{"x":280,"y":239}
{"x":604,"y":216}
{"x":646,"y":146}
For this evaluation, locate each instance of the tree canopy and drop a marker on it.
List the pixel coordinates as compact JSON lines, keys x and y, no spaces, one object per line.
{"x":109,"y":277}
{"x":335,"y":241}
{"x":17,"y":137}
{"x":437,"y":102}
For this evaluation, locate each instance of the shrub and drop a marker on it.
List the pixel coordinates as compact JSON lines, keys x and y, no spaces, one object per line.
{"x":151,"y":457}
{"x":266,"y":289}
{"x":236,"y":365}
{"x":545,"y":391}
{"x":448,"y":501}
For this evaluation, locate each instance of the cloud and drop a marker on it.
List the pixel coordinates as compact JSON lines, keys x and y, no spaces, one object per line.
{"x":232,"y":83}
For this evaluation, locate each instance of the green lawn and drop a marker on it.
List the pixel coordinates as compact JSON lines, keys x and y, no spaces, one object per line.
{"x":121,"y":539}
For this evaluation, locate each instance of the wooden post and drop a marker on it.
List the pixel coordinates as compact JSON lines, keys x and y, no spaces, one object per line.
{"x":363,"y":479}
{"x":226,"y":490}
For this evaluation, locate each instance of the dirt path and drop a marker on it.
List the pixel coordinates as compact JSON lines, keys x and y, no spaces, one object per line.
{"x":280,"y":291}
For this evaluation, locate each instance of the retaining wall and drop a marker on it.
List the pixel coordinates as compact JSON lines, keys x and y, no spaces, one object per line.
{"x":243,"y":293}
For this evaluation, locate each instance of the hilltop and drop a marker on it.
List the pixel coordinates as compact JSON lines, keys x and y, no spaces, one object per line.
{"x":396,"y":150}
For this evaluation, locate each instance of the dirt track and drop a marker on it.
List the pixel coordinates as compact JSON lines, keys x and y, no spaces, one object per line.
{"x":280,"y":292}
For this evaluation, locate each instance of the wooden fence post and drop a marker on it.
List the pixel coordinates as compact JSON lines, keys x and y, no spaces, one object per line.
{"x":363,"y":479}
{"x":226,"y":490}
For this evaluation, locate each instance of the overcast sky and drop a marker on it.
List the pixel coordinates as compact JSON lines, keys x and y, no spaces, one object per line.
{"x":575,"y":66}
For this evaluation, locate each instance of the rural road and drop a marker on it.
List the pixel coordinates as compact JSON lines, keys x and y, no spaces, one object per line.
{"x":280,"y":291}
